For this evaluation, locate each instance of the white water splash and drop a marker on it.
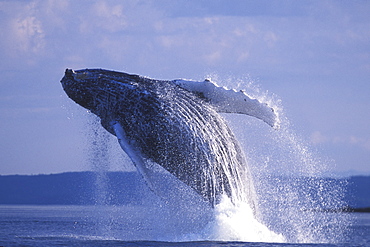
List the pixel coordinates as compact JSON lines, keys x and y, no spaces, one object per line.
{"x":288,"y":206}
{"x":292,"y":194}
{"x":238,"y":223}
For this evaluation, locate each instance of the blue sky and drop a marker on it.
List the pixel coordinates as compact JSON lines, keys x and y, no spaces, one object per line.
{"x":314,"y":55}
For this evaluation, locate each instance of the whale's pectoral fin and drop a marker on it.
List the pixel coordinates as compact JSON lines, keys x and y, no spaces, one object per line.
{"x":231,"y":101}
{"x":132,"y":152}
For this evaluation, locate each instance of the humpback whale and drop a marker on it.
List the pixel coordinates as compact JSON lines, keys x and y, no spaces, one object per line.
{"x":174,"y":123}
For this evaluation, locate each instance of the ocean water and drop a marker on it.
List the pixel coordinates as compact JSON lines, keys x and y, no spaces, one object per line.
{"x":27,"y":225}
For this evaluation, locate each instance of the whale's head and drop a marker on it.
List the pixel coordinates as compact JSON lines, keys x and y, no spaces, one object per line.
{"x":97,"y":88}
{"x":80,"y":88}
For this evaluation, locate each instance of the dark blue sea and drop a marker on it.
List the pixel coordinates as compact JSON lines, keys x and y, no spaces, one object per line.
{"x":26,"y":225}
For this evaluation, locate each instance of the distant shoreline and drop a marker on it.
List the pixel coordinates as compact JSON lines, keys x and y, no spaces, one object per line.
{"x":342,"y":210}
{"x":128,"y":188}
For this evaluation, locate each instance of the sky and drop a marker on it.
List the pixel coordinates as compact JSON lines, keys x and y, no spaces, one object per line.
{"x":314,"y":56}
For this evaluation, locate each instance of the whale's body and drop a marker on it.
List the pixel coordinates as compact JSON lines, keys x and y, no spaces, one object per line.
{"x":172,"y":123}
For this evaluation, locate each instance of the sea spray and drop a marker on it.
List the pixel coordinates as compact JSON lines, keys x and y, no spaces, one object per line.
{"x":301,"y":196}
{"x":291,"y":195}
{"x":238,"y":222}
{"x":295,"y":199}
{"x":100,"y":161}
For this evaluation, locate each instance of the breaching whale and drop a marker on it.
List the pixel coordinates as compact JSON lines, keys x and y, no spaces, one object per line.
{"x":174,"y":123}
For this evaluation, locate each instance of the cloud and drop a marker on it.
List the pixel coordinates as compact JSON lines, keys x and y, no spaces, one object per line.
{"x":105,"y":18}
{"x":319,"y":138}
{"x":29,"y":34}
{"x":135,"y":33}
{"x":23,"y":32}
{"x":112,"y":31}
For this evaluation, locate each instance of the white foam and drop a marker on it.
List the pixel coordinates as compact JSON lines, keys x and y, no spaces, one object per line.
{"x":235,"y":223}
